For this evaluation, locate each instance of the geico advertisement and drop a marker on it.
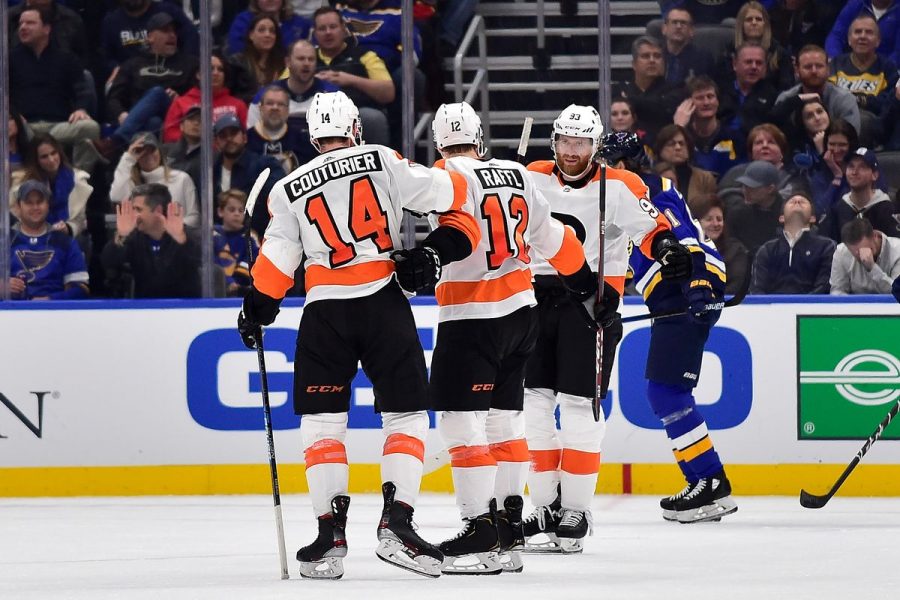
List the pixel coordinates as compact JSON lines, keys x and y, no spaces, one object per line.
{"x":781,"y":383}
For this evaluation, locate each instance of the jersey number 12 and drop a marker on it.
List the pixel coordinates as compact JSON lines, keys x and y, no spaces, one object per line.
{"x":492,"y":210}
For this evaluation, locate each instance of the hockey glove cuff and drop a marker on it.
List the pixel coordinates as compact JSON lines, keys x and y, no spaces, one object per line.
{"x":257,"y":310}
{"x":582,"y":284}
{"x":675,"y":259}
{"x":417,"y":268}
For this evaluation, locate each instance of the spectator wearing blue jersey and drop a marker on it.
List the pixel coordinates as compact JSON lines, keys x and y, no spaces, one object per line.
{"x":717,"y":148}
{"x":46,"y":264}
{"x":233,"y":229}
{"x":277,"y":136}
{"x":885,"y":12}
{"x":799,"y":260}
{"x":292,"y":26}
{"x":864,"y":72}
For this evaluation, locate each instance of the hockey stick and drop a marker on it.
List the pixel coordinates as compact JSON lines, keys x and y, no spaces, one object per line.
{"x":523,"y":140}
{"x":595,"y":405}
{"x":733,"y":301}
{"x":808,"y":500}
{"x":264,"y":384}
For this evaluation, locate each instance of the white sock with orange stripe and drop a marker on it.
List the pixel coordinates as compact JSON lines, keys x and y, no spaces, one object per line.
{"x":543,"y":445}
{"x":506,"y":438}
{"x":327,"y":473}
{"x":471,"y":464}
{"x":404,"y":451}
{"x":581,"y":439}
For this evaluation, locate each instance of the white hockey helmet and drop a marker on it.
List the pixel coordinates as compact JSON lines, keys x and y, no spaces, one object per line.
{"x":578,"y":121}
{"x":333,"y":115}
{"x":456,"y":124}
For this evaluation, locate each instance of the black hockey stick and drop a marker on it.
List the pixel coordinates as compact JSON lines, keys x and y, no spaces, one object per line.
{"x":808,"y":500}
{"x":733,"y":301}
{"x":598,"y":391}
{"x":264,"y":384}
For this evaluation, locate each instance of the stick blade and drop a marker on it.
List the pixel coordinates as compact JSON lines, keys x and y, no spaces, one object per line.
{"x":808,"y":500}
{"x":255,"y":190}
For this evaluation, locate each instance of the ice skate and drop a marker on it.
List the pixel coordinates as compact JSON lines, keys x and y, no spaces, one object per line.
{"x":475,"y":549}
{"x":709,"y":500}
{"x":399,"y":544}
{"x":540,"y":529}
{"x":667,"y":504}
{"x":573,"y":526}
{"x":511,"y":534}
{"x":323,"y":559}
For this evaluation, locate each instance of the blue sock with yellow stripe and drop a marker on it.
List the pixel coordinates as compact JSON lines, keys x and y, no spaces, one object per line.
{"x":694,"y":451}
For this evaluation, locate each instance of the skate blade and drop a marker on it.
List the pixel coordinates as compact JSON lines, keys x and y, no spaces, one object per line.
{"x":511,"y":561}
{"x":571,"y":545}
{"x":393,"y":551}
{"x":480,"y":563}
{"x":328,"y":568}
{"x":542,"y":543}
{"x":709,"y":513}
{"x":670,"y":515}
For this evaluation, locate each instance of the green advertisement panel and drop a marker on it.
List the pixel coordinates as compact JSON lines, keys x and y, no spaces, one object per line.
{"x":848,"y":376}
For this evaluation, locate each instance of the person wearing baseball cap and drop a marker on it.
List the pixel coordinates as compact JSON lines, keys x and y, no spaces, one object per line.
{"x":864,"y":200}
{"x":757,"y":219}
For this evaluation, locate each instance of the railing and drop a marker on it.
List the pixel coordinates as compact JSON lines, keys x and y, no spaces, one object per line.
{"x":479,"y":85}
{"x":215,"y":11}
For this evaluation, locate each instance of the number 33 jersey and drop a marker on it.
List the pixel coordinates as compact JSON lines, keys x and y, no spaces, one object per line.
{"x":343,"y":211}
{"x":516,"y":227}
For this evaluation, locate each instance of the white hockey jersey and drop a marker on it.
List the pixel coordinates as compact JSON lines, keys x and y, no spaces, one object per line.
{"x":343,"y":210}
{"x":629,"y":215}
{"x":516,"y":228}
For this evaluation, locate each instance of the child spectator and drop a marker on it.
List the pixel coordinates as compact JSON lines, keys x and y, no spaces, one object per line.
{"x":233,"y":230}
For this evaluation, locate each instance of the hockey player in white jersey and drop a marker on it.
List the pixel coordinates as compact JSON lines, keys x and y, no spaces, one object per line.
{"x":561,"y":371}
{"x":343,"y":211}
{"x":488,"y":328}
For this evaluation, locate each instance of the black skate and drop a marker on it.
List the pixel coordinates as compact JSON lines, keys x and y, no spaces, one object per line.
{"x":540,"y":529}
{"x":573,"y":526}
{"x":709,"y":500}
{"x":475,"y":549}
{"x":323,"y":559}
{"x":512,"y":534}
{"x":399,"y":544}
{"x":667,"y":504}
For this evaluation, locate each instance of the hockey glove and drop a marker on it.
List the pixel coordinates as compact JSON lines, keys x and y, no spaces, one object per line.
{"x":417,"y":269}
{"x":582,"y":284}
{"x":258,"y":310}
{"x":676,"y":261}
{"x":606,"y":311}
{"x":702,"y":302}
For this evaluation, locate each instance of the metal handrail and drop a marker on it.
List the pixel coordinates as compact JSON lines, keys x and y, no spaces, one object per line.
{"x":215,"y":11}
{"x":479,"y":84}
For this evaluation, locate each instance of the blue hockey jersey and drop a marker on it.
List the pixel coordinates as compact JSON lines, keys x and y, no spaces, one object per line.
{"x":51,"y":265}
{"x":379,"y":29}
{"x":666,"y":295}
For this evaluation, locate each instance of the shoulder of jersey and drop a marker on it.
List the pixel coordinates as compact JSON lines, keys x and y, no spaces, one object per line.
{"x":541,"y":166}
{"x":631,"y":180}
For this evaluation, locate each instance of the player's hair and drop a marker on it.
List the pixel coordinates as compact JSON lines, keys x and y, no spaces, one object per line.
{"x":772,"y":130}
{"x":701,"y":82}
{"x":155,"y":194}
{"x":333,"y":139}
{"x":644,"y":40}
{"x":856,"y":230}
{"x":459,"y":149}
{"x":232,"y":194}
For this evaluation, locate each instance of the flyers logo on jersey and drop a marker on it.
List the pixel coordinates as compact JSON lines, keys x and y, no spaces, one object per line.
{"x":335,"y":169}
{"x":494,"y":178}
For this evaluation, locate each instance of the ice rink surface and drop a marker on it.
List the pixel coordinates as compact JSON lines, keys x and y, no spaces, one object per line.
{"x":223,"y":547}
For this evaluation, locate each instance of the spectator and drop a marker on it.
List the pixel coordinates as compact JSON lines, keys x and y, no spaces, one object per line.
{"x":152,"y":246}
{"x":812,"y":71}
{"x":301,"y":83}
{"x":756,"y":221}
{"x":711,"y":214}
{"x":69,"y":188}
{"x":806,"y":129}
{"x":231,"y":205}
{"x":236,"y":167}
{"x":124,"y":31}
{"x":453,"y":19}
{"x":796,"y":23}
{"x":716,"y":148}
{"x":799,"y":260}
{"x":623,"y":118}
{"x":653,"y":98}
{"x":359,"y":73}
{"x":291,"y":26}
{"x":144,"y":86}
{"x":674,"y":146}
{"x":865,"y":262}
{"x":274,"y":135}
{"x":885,"y":12}
{"x":827,"y":181}
{"x":66,"y":24}
{"x":47,"y":86}
{"x":683,"y":59}
{"x":46,"y":264}
{"x":223,"y":103}
{"x":747,"y":100}
{"x":261,"y":61}
{"x":754,"y":26}
{"x":184,"y":154}
{"x":864,"y":200}
{"x":377,"y":26}
{"x":144,"y":163}
{"x":704,"y":11}
{"x":18,"y":144}
{"x":890,"y":121}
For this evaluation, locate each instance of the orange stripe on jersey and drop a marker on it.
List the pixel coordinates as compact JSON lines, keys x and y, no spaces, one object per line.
{"x":580,"y":463}
{"x":662,"y":224}
{"x":471,"y":456}
{"x":542,"y":166}
{"x":485,"y":290}
{"x":460,"y":190}
{"x":544,"y":460}
{"x":464,"y":222}
{"x":617,"y":282}
{"x":440,"y":163}
{"x":325,"y":451}
{"x":269,"y":280}
{"x":398,"y":443}
{"x":570,"y":256}
{"x":511,"y":451}
{"x":366,"y":272}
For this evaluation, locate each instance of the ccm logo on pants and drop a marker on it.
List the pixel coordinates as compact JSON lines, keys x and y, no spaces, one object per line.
{"x":310,"y":389}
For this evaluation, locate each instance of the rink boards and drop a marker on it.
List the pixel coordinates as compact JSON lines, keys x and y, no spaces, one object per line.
{"x":130,"y":398}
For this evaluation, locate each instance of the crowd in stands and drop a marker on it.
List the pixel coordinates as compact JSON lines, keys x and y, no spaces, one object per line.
{"x":782,"y":140}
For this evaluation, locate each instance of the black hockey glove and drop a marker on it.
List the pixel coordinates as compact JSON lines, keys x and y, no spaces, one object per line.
{"x":418,"y":268}
{"x":621,"y":145}
{"x":606,"y":311}
{"x":676,"y":261}
{"x":702,"y":302}
{"x":582,"y":284}
{"x":258,"y":310}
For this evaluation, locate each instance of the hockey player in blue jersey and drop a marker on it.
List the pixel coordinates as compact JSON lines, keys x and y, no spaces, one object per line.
{"x":672,"y":376}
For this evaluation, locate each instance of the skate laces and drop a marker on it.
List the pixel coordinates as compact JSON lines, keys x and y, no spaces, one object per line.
{"x":467,"y":528}
{"x":539,"y":515}
{"x":701,"y":485}
{"x":571,"y":518}
{"x":682,"y":493}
